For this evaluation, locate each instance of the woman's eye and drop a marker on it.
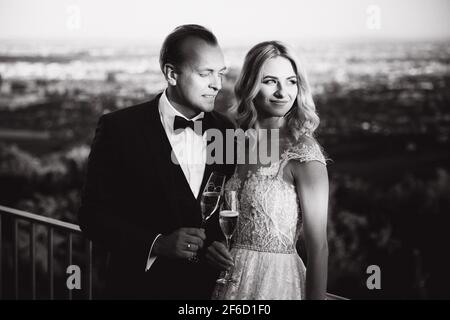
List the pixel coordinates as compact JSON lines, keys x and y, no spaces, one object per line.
{"x":293,"y":82}
{"x":270,"y":81}
{"x":204,"y":74}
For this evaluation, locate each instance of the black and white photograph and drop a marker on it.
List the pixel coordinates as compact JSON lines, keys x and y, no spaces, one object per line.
{"x":224,"y":151}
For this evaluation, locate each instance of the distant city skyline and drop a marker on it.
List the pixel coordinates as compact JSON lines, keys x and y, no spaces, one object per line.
{"x":233,"y":21}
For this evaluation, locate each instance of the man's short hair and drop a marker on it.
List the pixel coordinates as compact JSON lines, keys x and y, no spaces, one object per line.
{"x":170,"y":50}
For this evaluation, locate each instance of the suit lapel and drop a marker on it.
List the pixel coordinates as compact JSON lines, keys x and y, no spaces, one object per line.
{"x":181,"y":200}
{"x":209,"y":168}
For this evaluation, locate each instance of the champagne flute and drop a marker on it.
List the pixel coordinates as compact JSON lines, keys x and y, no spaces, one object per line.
{"x":211,"y":195}
{"x":228,"y":218}
{"x":210,"y":199}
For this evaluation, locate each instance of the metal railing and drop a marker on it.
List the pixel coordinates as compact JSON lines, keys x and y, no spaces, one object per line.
{"x":52,"y":224}
{"x":68,"y":229}
{"x":331,"y":296}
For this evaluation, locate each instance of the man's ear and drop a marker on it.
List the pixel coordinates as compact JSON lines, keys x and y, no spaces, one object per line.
{"x":170,"y":74}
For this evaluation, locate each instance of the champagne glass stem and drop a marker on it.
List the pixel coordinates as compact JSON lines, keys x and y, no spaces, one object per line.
{"x":228,"y":240}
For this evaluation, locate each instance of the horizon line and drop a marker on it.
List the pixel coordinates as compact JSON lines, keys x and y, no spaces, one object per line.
{"x":151,"y":41}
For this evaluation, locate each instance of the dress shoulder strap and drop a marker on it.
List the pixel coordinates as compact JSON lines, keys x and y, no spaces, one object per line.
{"x":304,"y":150}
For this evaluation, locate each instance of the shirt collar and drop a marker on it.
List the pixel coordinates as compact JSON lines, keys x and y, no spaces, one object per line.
{"x":168,"y":112}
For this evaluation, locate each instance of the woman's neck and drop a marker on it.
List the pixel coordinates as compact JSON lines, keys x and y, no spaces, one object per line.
{"x":269,"y":123}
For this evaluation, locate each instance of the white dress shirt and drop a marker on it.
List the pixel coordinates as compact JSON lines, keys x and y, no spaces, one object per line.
{"x":189,"y":149}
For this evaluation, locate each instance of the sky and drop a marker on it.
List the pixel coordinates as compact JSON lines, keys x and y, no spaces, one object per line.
{"x":233,"y":21}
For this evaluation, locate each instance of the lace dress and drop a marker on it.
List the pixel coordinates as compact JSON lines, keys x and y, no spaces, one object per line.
{"x":267,"y":265}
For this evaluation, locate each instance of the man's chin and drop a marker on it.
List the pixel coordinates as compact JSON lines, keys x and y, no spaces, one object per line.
{"x":206,"y":108}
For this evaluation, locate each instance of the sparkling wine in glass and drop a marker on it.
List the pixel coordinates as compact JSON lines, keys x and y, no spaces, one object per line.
{"x":228,"y":218}
{"x":209,"y":203}
{"x":228,"y":222}
{"x":211,"y":195}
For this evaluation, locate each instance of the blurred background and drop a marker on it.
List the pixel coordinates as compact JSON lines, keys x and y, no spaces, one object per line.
{"x":380,"y":76}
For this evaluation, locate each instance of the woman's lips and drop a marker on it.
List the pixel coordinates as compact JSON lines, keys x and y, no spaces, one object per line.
{"x":280,"y":102}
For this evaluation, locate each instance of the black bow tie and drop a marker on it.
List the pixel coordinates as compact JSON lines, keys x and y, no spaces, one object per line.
{"x":182,"y":123}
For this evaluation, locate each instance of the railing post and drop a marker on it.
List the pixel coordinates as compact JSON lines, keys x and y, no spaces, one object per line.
{"x":33,"y":260}
{"x":16,"y":258}
{"x":69,"y":250}
{"x":50,"y":261}
{"x":89,"y":268}
{"x":1,"y":260}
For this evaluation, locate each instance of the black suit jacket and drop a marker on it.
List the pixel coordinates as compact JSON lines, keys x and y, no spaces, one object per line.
{"x":133,"y":192}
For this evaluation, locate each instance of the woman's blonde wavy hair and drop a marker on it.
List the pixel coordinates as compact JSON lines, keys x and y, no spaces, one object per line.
{"x":302,"y":118}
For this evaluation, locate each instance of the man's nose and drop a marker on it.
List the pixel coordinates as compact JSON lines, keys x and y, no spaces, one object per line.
{"x":216,"y":82}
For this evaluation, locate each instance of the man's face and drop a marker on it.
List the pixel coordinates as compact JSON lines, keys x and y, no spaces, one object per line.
{"x":199,"y":78}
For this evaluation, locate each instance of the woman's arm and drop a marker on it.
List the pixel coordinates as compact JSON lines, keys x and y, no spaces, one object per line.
{"x":311,"y":179}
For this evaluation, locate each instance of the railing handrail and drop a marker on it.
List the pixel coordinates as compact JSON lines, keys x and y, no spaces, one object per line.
{"x":41,"y":219}
{"x":331,"y":296}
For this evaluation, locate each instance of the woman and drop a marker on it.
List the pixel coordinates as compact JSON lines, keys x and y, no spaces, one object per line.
{"x":278,"y":199}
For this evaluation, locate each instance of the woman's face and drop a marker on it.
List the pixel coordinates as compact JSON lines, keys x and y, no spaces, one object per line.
{"x":277,"y":89}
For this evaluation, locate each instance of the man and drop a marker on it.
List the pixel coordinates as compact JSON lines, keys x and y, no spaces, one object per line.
{"x":141,"y":204}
